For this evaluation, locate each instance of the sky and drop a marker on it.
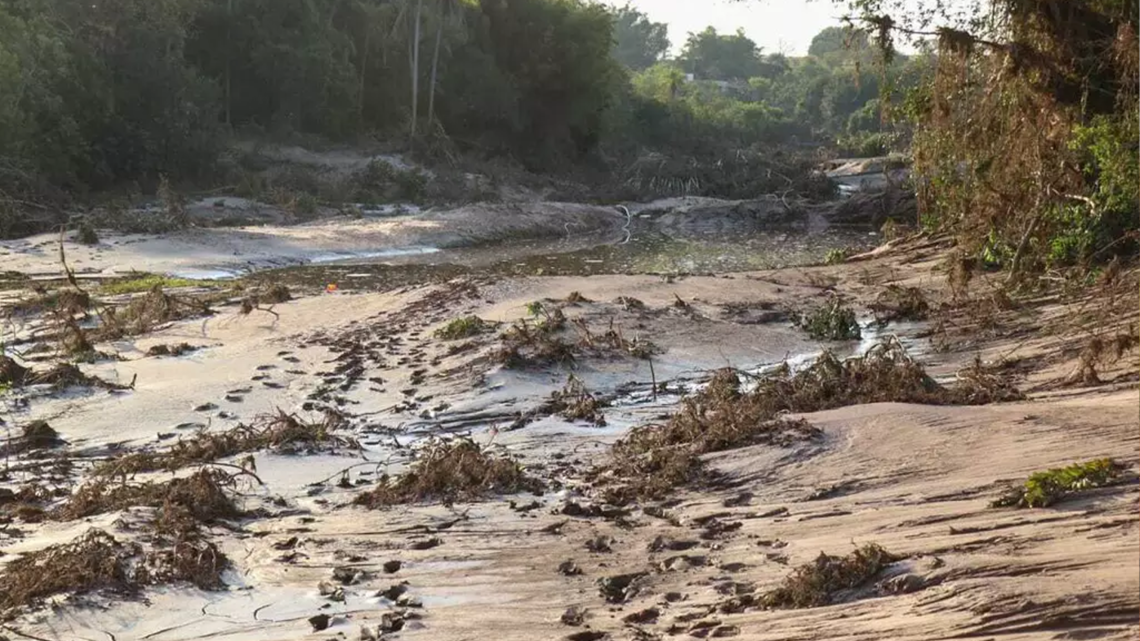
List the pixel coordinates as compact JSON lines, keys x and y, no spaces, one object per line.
{"x":785,"y":26}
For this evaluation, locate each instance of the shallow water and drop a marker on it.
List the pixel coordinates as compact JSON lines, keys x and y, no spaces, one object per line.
{"x":649,"y":249}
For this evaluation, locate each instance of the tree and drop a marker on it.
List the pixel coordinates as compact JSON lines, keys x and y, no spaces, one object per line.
{"x":639,"y":43}
{"x":712,"y":56}
{"x":837,"y":40}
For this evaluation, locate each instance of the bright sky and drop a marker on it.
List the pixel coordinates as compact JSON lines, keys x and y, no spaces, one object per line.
{"x":775,"y":25}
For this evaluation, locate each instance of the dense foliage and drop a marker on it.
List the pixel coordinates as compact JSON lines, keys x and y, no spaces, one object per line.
{"x":123,"y":92}
{"x":1026,"y":140}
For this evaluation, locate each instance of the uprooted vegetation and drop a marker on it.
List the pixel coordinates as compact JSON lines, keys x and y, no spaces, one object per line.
{"x":455,"y":470}
{"x":897,"y":303}
{"x":175,"y":550}
{"x":832,"y":322}
{"x":98,"y":561}
{"x":574,"y":402}
{"x":144,"y":313}
{"x":825,"y":579}
{"x":201,"y":495}
{"x":1043,"y":489}
{"x":35,"y":435}
{"x":543,"y":340}
{"x":281,"y":432}
{"x":59,"y":376}
{"x":655,"y":458}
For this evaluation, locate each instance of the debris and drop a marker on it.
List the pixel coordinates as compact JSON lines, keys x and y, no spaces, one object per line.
{"x":451,"y":470}
{"x":619,"y":588}
{"x":426,"y":544}
{"x":574,"y":615}
{"x":569,"y":568}
{"x":319,"y":622}
{"x":817,"y":583}
{"x":648,"y":615}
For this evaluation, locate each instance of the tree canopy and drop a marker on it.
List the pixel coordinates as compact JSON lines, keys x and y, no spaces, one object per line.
{"x":714,"y":56}
{"x":640,"y":43}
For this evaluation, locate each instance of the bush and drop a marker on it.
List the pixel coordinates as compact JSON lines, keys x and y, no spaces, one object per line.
{"x":833,"y":322}
{"x":1043,"y":489}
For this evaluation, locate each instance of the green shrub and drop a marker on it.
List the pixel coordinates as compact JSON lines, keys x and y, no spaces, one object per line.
{"x":835,"y":256}
{"x":463,"y":327}
{"x":833,"y":321}
{"x":1043,"y":489}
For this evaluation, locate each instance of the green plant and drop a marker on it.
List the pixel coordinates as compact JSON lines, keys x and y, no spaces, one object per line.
{"x":463,"y":327}
{"x":147,"y":282}
{"x":835,"y":256}
{"x":833,"y":321}
{"x":1043,"y":489}
{"x":86,"y":235}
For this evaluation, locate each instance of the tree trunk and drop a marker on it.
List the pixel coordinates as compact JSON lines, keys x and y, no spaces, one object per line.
{"x":363,"y":69}
{"x":415,"y":46}
{"x":229,"y":23}
{"x":435,"y":63}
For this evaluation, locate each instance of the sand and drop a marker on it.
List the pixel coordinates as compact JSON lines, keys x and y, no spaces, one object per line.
{"x":915,"y":479}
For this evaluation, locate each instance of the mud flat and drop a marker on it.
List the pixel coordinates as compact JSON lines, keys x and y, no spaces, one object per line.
{"x":442,"y":458}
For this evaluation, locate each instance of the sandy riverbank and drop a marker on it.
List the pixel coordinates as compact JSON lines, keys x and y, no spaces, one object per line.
{"x":915,"y":479}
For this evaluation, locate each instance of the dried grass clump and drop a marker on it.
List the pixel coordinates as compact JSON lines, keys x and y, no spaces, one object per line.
{"x":900,"y":303}
{"x":144,"y":313}
{"x":1099,"y":353}
{"x":575,"y":403}
{"x":11,"y":372}
{"x":94,"y":561}
{"x":885,"y":373}
{"x":541,"y":341}
{"x":448,"y":471}
{"x":97,"y":561}
{"x":276,"y":293}
{"x":64,"y":375}
{"x":35,"y":435}
{"x":981,"y":385}
{"x":171,"y":350}
{"x":282,"y":432}
{"x":819,"y":583}
{"x":202,"y":496}
{"x":65,"y":300}
{"x":654,"y":458}
{"x":527,"y":344}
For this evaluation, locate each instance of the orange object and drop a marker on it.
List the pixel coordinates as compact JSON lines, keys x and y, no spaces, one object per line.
{"x":330,"y":288}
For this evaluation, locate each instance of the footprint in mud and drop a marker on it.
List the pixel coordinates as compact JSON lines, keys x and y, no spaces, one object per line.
{"x":263,"y":368}
{"x":205,"y":407}
{"x":296,"y":372}
{"x":190,"y":426}
{"x":226,"y":415}
{"x":234,"y":398}
{"x":272,"y":385}
{"x":291,"y":359}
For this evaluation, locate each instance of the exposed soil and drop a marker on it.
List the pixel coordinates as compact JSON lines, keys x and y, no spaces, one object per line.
{"x":447,"y":555}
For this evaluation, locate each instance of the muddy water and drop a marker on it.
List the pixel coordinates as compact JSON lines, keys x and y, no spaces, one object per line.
{"x":646,"y":249}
